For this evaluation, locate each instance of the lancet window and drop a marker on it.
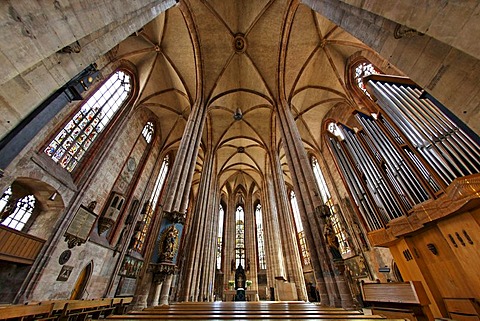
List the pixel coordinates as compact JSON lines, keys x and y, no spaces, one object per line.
{"x":302,"y":242}
{"x":148,"y":131}
{"x":240,"y":236}
{"x":73,"y":141}
{"x":221,"y":215}
{"x":150,"y":207}
{"x":334,"y":215}
{"x":260,"y":240}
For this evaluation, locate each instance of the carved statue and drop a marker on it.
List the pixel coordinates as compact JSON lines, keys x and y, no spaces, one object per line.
{"x":169,"y":243}
{"x":332,"y":241}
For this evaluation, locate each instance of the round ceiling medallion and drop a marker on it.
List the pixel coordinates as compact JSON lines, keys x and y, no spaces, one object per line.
{"x":239,"y":43}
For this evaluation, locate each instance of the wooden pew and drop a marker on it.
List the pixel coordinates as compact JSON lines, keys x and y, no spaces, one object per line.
{"x":82,"y":310}
{"x":120,"y":305}
{"x":245,"y":311}
{"x":398,"y":300}
{"x":27,"y":312}
{"x":463,"y":309}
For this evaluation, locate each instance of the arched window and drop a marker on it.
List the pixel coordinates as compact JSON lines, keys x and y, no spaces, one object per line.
{"x":150,"y":207}
{"x":260,"y":240}
{"x":73,"y":141}
{"x":16,"y":216}
{"x":148,"y":131}
{"x":240,"y":236}
{"x":363,"y":69}
{"x":221,"y":215}
{"x":300,"y":232}
{"x":335,"y":218}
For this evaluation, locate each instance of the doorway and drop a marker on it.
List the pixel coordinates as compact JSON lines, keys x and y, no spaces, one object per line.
{"x":82,"y":282}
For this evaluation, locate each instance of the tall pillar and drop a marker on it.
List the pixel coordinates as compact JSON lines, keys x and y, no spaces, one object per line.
{"x":310,"y":206}
{"x":275,"y":256}
{"x":288,"y":231}
{"x":250,"y":242}
{"x":199,"y":252}
{"x":161,"y":251}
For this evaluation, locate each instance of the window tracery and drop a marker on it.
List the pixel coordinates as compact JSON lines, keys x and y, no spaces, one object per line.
{"x":15,"y":214}
{"x":148,"y":131}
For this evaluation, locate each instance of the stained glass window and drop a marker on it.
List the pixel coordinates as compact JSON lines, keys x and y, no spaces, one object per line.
{"x":260,"y":241}
{"x":150,"y":207}
{"x":300,"y":233}
{"x":219,"y":237}
{"x":148,"y":131}
{"x":19,"y":215}
{"x":73,"y":141}
{"x":335,"y":219}
{"x":240,"y":236}
{"x":364,"y":69}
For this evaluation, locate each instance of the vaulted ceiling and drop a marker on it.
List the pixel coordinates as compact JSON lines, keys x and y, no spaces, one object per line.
{"x":227,"y":53}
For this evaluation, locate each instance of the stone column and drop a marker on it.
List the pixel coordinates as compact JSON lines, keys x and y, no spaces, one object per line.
{"x":175,"y":201}
{"x":288,"y":230}
{"x":250,"y":242}
{"x":164,"y":294}
{"x":273,"y":241}
{"x":199,"y":253}
{"x":156,"y":295}
{"x":310,"y":205}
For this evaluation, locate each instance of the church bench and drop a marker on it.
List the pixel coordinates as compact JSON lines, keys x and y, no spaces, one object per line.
{"x":463,"y":309}
{"x":398,"y":300}
{"x":83,"y":310}
{"x":120,"y":305}
{"x":240,"y":316}
{"x":27,"y":312}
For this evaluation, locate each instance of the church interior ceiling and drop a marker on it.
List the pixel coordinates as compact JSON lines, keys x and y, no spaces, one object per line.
{"x":204,"y":50}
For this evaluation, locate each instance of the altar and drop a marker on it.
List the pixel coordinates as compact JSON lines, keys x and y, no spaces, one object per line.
{"x":229,"y":295}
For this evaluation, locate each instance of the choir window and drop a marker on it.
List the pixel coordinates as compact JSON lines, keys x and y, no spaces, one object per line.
{"x":240,"y":237}
{"x":73,"y":141}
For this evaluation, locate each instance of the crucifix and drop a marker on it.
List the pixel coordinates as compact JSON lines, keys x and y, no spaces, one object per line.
{"x":240,"y":255}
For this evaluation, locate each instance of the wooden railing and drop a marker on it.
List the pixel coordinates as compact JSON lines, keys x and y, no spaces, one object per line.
{"x":19,"y":247}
